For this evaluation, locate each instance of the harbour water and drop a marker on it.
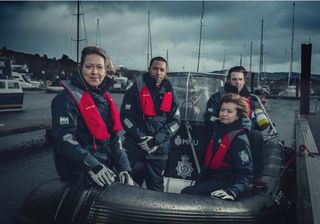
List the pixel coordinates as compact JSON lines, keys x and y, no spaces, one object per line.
{"x":22,"y":171}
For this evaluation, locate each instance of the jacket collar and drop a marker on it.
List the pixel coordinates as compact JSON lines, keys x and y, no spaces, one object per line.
{"x":151,"y":83}
{"x":78,"y":80}
{"x":232,"y":89}
{"x":222,"y":128}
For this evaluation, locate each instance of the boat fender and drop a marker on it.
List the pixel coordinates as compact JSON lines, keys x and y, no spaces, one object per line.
{"x":262,"y":119}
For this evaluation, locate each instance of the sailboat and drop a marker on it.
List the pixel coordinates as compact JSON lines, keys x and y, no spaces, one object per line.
{"x":11,"y":95}
{"x":291,"y":90}
{"x":55,"y":87}
{"x":11,"y":92}
{"x":79,"y":202}
{"x":259,"y":89}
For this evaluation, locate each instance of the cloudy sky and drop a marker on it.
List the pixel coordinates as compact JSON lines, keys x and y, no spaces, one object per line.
{"x":229,"y":26}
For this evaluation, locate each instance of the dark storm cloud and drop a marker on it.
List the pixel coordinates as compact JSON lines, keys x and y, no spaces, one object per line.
{"x":231,"y":26}
{"x":33,"y":26}
{"x":159,"y":9}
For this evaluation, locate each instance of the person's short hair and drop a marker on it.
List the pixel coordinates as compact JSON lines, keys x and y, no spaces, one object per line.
{"x":158,"y":59}
{"x":242,"y":106}
{"x":237,"y":69}
{"x":99,"y":51}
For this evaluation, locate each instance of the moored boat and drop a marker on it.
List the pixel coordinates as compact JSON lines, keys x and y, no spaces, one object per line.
{"x":25,"y":81}
{"x":54,"y":87}
{"x":121,"y":84}
{"x":11,"y":95}
{"x":59,"y":202}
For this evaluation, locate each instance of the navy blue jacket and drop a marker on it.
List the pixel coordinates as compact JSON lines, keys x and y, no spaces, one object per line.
{"x":162,"y":126}
{"x":73,"y":150}
{"x":240,"y":173}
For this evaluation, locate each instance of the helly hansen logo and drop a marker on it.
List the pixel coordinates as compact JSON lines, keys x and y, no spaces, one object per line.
{"x":64,"y":120}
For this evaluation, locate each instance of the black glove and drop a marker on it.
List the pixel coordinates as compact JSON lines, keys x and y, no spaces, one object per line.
{"x":148,"y":144}
{"x":102,"y":175}
{"x":125,"y":178}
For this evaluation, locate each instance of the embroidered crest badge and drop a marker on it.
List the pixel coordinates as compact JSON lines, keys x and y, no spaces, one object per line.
{"x":244,"y":157}
{"x":184,"y":167}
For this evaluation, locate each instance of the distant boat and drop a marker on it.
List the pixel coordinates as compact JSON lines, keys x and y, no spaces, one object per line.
{"x":26,"y":82}
{"x":79,"y":202}
{"x":55,"y":86}
{"x":262,"y":90}
{"x":54,"y":89}
{"x":121,"y":84}
{"x":291,"y":92}
{"x":11,"y":95}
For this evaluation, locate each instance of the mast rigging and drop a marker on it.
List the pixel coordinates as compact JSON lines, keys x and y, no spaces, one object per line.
{"x":200,"y":37}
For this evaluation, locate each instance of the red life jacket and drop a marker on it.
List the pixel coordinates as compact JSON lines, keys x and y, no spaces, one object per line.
{"x":248,"y":102}
{"x":90,"y":113}
{"x":216,"y":161}
{"x":146,"y":100}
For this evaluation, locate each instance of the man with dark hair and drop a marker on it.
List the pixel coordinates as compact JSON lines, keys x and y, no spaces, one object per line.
{"x":236,"y":83}
{"x":150,"y":117}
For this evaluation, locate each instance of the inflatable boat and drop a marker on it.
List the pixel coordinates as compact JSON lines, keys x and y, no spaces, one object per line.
{"x":58,"y":202}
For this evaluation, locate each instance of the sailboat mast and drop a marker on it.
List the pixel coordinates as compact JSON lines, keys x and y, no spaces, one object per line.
{"x":98,"y":33}
{"x":261,"y":55}
{"x":224,"y":61}
{"x":78,"y":32}
{"x":200,"y":37}
{"x":167,"y":58}
{"x":291,"y":49}
{"x":149,"y":53}
{"x":250,"y":68}
{"x":78,"y":14}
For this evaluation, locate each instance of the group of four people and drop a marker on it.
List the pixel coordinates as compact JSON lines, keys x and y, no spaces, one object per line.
{"x":86,"y":129}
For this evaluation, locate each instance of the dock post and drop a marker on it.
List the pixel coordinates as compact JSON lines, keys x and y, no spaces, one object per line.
{"x":306,"y":50}
{"x":297,"y":87}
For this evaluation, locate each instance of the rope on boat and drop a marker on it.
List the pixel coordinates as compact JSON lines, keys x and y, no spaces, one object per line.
{"x":303,"y":148}
{"x":280,"y":197}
